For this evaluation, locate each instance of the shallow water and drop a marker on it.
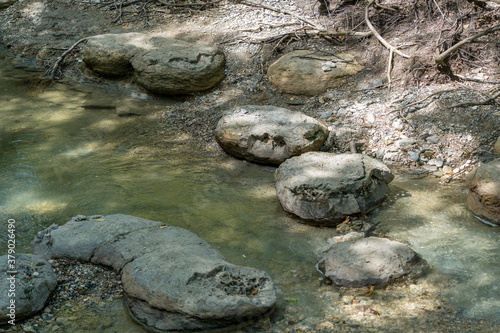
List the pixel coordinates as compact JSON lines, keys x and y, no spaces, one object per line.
{"x":55,"y":165}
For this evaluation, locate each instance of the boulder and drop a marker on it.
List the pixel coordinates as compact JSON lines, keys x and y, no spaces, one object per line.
{"x":269,"y":134}
{"x":305,"y":72}
{"x":484,"y":191}
{"x":367,"y":261}
{"x":161,"y":65}
{"x":323,"y":188}
{"x":31,"y":286}
{"x":172,"y":279}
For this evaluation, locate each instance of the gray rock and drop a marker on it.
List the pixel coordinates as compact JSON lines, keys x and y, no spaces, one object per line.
{"x":406,"y":143}
{"x":304,"y":72}
{"x":161,"y":65}
{"x":414,"y":155}
{"x":484,"y":191}
{"x":172,"y":279}
{"x":269,"y":134}
{"x":33,"y":285}
{"x":368,"y":261}
{"x":324,"y":189}
{"x":496,"y":148}
{"x":79,"y":238}
{"x":432,"y":139}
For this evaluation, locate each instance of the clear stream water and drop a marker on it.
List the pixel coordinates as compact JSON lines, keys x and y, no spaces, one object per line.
{"x":53,"y":167}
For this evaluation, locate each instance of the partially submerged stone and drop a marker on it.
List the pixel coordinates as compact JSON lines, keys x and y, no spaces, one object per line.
{"x":367,"y":261}
{"x":269,"y":134}
{"x":161,"y":65}
{"x":305,"y":72}
{"x":31,"y":286}
{"x":172,"y":279}
{"x":323,"y":188}
{"x":484,"y":191}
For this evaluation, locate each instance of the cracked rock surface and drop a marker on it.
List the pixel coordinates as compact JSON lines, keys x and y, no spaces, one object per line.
{"x":269,"y":134}
{"x":324,"y":189}
{"x":172,"y":279}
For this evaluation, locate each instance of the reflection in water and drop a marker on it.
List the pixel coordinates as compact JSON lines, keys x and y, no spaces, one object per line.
{"x":59,"y":158}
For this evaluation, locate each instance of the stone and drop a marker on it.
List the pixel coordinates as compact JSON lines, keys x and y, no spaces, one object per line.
{"x":269,"y":134}
{"x":367,"y":261}
{"x":496,"y":148}
{"x":34,"y":283}
{"x":172,"y":279}
{"x":484,"y":191}
{"x":323,"y":188}
{"x":415,"y":156}
{"x":406,"y":143}
{"x":161,"y":65}
{"x":305,"y":72}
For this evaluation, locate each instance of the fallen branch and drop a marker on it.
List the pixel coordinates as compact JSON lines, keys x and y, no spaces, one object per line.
{"x":484,"y":102}
{"x":51,"y":71}
{"x":166,"y":4}
{"x":441,"y":58}
{"x":284,"y":11}
{"x":376,"y":34}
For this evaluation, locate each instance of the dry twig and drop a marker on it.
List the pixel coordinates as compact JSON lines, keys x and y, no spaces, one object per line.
{"x":51,"y":71}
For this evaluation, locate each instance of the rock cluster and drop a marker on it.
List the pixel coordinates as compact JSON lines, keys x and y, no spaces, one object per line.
{"x":30,"y":287}
{"x":161,"y":65}
{"x":484,"y":191}
{"x":269,"y":134}
{"x":172,"y":279}
{"x":324,"y":189}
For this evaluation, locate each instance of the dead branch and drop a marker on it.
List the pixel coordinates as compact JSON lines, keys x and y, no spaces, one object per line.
{"x":51,"y":71}
{"x":441,"y":58}
{"x":283,"y":11}
{"x":489,"y":100}
{"x":375,"y":32}
{"x":167,"y":4}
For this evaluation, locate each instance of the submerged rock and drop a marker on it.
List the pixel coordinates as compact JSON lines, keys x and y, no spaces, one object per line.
{"x":161,"y":65}
{"x":305,"y":72}
{"x":367,"y":261}
{"x":484,"y":191}
{"x":323,"y":188}
{"x":31,"y":286}
{"x":172,"y":279}
{"x":269,"y":134}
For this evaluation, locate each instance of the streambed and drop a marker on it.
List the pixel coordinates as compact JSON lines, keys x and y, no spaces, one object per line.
{"x":60,"y":158}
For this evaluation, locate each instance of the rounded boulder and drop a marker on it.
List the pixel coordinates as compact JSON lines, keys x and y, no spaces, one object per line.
{"x":269,"y":134}
{"x":323,"y":188}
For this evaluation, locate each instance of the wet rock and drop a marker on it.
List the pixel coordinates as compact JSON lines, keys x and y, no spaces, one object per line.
{"x":32,"y":286}
{"x":368,"y":261}
{"x":269,"y":134}
{"x":161,"y":65}
{"x":305,"y":72}
{"x":484,"y":191}
{"x":324,"y":189}
{"x":79,"y":238}
{"x":194,"y":287}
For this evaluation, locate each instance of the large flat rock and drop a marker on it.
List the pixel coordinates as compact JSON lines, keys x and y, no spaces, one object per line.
{"x":269,"y":134}
{"x":323,"y":188}
{"x":173,"y":280}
